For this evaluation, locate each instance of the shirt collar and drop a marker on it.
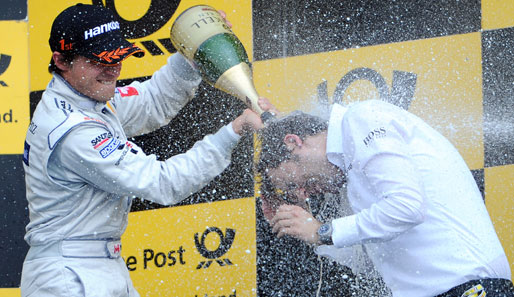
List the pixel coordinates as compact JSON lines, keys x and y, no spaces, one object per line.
{"x":335,"y":135}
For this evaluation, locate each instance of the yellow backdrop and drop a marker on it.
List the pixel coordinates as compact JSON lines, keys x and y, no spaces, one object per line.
{"x":14,"y":87}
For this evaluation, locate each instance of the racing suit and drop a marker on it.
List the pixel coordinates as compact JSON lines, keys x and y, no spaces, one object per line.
{"x":417,"y":208}
{"x":82,"y":173}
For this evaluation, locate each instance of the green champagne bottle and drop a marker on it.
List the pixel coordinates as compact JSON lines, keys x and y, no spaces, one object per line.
{"x":202,"y":36}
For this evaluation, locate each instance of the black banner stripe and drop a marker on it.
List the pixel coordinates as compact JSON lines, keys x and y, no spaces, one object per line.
{"x":498,"y":96}
{"x":288,"y":28}
{"x":13,"y":10}
{"x":13,"y":220}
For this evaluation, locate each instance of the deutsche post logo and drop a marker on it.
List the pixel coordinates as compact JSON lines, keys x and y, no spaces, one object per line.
{"x":225,"y":243}
{"x":5,"y":61}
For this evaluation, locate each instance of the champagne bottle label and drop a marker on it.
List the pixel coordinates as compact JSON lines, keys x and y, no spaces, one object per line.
{"x":195,"y":25}
{"x":218,"y":54}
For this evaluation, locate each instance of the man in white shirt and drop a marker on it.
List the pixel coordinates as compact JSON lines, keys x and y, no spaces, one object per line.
{"x":417,"y":208}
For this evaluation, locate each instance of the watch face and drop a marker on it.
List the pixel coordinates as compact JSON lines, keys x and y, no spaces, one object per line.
{"x":323,"y":229}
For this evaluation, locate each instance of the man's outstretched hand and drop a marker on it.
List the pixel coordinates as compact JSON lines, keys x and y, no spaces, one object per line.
{"x":295,"y":221}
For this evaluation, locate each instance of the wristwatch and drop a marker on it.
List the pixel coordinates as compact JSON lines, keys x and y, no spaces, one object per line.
{"x":325,"y":234}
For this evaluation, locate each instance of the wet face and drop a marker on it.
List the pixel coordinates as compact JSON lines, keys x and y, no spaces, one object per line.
{"x":92,"y":79}
{"x":304,"y":177}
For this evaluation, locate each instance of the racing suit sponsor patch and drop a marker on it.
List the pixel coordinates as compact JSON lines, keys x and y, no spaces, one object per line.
{"x":86,"y":118}
{"x":114,"y":249}
{"x":109,"y":148}
{"x":26,"y":151}
{"x":127,"y":146}
{"x":100,"y":139}
{"x":32,"y":128}
{"x":128,"y":91}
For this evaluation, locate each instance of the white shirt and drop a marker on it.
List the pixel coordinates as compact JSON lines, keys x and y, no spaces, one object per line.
{"x":417,"y":207}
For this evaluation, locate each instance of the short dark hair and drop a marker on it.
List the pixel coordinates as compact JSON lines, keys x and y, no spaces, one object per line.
{"x":273,"y":150}
{"x":68,"y":58}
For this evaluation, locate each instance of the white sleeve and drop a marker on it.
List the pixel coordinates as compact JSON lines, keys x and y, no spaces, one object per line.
{"x":385,"y":166}
{"x":353,"y":257}
{"x":124,"y":169}
{"x":143,"y":107}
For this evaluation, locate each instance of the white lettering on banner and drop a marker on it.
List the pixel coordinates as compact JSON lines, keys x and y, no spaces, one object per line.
{"x":101,"y":29}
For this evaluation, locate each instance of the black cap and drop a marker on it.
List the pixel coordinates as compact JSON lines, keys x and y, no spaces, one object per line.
{"x":91,"y":31}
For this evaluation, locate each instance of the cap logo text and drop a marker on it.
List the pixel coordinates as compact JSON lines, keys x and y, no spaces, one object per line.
{"x":65,"y":46}
{"x":101,"y":29}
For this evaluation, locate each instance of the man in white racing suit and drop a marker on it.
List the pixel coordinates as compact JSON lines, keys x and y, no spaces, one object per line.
{"x":416,"y":207}
{"x":81,"y":170}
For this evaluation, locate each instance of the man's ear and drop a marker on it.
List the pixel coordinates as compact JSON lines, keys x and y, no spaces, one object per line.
{"x":60,"y":61}
{"x":292,"y":141}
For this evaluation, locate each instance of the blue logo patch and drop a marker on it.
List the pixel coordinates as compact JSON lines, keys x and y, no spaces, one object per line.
{"x":111,"y":147}
{"x":26,"y":151}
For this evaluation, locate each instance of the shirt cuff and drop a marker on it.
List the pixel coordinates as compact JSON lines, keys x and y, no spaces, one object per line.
{"x":345,"y":232}
{"x":226,"y":137}
{"x":233,"y":133}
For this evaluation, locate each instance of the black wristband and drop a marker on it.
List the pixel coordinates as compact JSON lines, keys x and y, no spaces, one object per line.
{"x":266,"y":116}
